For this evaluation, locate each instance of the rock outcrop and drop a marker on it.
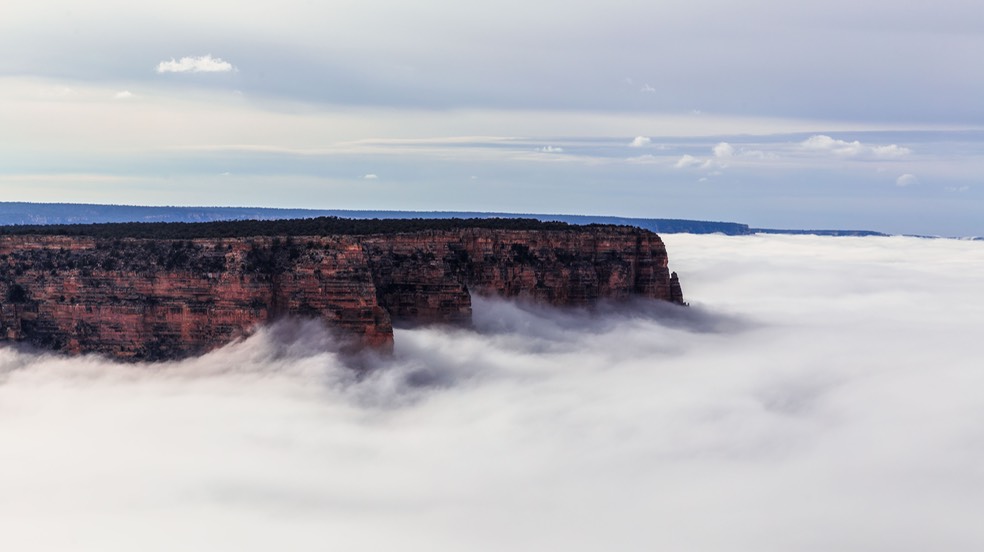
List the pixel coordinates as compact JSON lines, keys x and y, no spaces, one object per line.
{"x":154,"y":299}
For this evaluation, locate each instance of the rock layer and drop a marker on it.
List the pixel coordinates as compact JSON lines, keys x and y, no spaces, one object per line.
{"x":147,"y":299}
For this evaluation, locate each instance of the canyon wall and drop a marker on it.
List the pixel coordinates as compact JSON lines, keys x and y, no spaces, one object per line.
{"x":156,"y":299}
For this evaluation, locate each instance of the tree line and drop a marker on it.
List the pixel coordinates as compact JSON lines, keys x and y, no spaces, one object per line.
{"x":320,"y":226}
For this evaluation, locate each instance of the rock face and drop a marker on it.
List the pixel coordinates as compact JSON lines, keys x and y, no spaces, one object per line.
{"x":148,"y":299}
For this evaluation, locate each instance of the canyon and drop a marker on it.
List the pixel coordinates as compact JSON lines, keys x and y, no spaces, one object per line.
{"x":153,"y":299}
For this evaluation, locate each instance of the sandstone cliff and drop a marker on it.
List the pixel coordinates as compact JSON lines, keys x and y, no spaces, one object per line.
{"x":156,"y":299}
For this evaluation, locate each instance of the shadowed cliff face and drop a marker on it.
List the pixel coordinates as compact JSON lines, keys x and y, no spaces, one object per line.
{"x":144,"y":299}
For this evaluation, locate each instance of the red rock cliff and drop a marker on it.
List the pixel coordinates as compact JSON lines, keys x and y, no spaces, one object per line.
{"x":159,"y":299}
{"x":426,"y":276}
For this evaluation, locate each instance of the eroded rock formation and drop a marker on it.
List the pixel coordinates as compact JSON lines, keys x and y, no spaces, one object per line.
{"x":156,"y":299}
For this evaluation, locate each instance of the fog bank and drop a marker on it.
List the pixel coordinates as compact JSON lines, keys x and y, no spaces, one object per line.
{"x":819,"y":394}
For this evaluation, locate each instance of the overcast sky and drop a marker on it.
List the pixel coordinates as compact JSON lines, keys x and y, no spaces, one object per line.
{"x":819,"y":394}
{"x":832,"y":114}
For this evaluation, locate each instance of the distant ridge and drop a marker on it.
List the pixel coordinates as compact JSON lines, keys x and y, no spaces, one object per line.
{"x":25,"y":213}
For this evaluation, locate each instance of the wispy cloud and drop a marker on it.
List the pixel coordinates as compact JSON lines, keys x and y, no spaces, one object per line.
{"x":890,"y":151}
{"x":688,"y":161}
{"x":640,"y":141}
{"x":123,"y":95}
{"x":195,"y":64}
{"x":824,"y":143}
{"x":370,"y":176}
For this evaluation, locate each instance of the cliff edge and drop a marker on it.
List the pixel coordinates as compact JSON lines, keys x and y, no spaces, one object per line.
{"x":143,"y":298}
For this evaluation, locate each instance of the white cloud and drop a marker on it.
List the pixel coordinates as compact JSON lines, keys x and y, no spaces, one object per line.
{"x":550,"y":149}
{"x":821,"y":142}
{"x":370,"y":176}
{"x":688,"y":161}
{"x":647,"y":89}
{"x":651,"y":428}
{"x":723,"y":149}
{"x":199,"y":64}
{"x":824,"y":143}
{"x":758,"y":154}
{"x":123,"y":95}
{"x":890,"y":151}
{"x":906,"y":180}
{"x":640,"y":141}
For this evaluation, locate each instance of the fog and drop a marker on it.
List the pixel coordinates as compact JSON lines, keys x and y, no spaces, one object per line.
{"x":818,"y":394}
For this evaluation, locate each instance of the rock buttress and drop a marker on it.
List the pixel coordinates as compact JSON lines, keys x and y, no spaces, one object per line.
{"x":163,"y":299}
{"x":426,"y":276}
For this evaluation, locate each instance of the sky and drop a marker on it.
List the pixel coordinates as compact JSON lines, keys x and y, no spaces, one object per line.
{"x":777,"y":114}
{"x":818,"y":394}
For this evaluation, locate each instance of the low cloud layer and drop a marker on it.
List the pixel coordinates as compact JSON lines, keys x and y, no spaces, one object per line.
{"x":819,"y":394}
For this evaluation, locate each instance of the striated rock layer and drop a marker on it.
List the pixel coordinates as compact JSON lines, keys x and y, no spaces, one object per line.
{"x":149,"y":299}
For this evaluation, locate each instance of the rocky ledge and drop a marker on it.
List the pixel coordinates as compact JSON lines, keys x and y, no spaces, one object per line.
{"x":155,"y":299}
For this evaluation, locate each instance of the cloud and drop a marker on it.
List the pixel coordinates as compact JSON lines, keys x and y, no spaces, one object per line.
{"x":821,"y":142}
{"x":906,"y":180}
{"x":370,"y":176}
{"x":689,"y":161}
{"x":648,"y":427}
{"x":199,"y":64}
{"x":723,"y":149}
{"x":647,"y":89}
{"x":550,"y":149}
{"x":640,"y":141}
{"x":758,"y":154}
{"x":890,"y":151}
{"x":123,"y":95}
{"x":824,"y":143}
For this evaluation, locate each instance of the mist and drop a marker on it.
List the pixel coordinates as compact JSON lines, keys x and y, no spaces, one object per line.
{"x":818,"y":394}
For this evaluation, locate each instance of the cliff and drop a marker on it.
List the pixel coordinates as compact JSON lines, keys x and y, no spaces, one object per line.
{"x":153,"y":299}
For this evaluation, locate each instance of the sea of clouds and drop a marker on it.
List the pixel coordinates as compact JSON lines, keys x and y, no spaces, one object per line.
{"x":819,"y":394}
